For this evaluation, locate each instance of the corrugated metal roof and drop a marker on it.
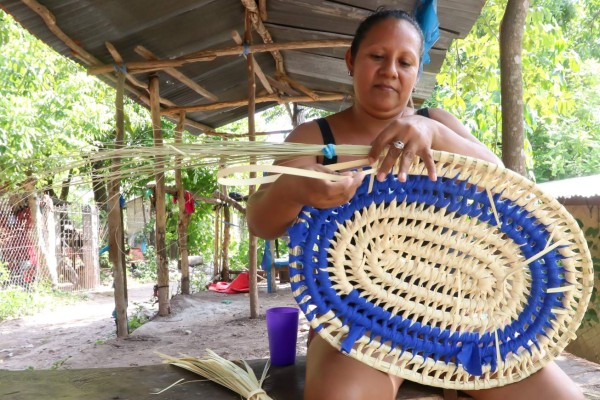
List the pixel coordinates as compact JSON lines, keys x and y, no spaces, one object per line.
{"x":173,"y":29}
{"x":584,"y":186}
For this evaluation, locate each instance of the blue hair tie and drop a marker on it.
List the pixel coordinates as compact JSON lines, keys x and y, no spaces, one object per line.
{"x":329,"y":151}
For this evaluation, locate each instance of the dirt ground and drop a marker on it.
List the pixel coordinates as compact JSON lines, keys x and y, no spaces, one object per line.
{"x":83,"y":335}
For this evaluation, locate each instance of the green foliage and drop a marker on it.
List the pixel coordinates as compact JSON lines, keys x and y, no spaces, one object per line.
{"x":49,"y":106}
{"x":561,"y":86}
{"x":138,"y":318}
{"x":16,"y":302}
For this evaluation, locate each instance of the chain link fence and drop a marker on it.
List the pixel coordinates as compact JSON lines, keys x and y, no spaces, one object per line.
{"x":56,"y":243}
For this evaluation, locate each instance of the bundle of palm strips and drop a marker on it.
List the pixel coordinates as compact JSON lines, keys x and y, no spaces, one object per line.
{"x":226,"y":373}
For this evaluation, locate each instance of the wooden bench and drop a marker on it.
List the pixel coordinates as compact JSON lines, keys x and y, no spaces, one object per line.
{"x":138,"y":383}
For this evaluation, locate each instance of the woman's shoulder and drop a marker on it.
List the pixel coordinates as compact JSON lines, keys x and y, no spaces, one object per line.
{"x":307,"y":132}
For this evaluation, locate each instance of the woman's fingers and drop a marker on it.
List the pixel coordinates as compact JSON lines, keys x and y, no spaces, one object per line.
{"x":430,"y":165}
{"x":404,"y":140}
{"x":406,"y":161}
{"x":325,"y":193}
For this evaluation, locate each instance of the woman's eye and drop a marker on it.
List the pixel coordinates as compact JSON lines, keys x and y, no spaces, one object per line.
{"x":405,"y":63}
{"x":376,"y":56}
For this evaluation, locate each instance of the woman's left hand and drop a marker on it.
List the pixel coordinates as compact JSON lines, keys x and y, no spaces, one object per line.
{"x":417,"y":136}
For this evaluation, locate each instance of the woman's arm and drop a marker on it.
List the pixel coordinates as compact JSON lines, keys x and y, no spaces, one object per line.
{"x":455,"y":125}
{"x":274,"y":207}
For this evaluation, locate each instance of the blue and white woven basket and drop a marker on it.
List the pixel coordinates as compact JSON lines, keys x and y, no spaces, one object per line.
{"x":474,"y":281}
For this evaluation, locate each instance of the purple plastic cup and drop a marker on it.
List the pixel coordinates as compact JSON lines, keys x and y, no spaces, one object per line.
{"x":282,"y":327}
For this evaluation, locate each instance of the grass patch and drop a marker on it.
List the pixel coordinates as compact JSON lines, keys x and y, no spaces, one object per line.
{"x":16,"y":301}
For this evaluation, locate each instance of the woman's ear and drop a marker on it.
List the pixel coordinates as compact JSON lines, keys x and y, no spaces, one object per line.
{"x":349,"y":64}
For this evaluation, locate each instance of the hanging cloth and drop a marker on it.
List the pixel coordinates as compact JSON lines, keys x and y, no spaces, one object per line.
{"x":190,"y":205}
{"x":426,"y":16}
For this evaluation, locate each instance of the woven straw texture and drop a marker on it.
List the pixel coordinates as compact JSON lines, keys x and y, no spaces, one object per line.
{"x":474,"y":281}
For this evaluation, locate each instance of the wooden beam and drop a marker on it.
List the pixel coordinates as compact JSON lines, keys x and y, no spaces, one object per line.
{"x":254,"y":14}
{"x":119,"y":60}
{"x":182,"y":224}
{"x":262,"y":9}
{"x":218,"y":198}
{"x":222,"y":197}
{"x":262,"y":99}
{"x":115,"y":223}
{"x":209,"y":55}
{"x":77,"y":50}
{"x":148,"y":55}
{"x":164,"y":307}
{"x":259,"y":72}
{"x":297,"y":85}
{"x":145,"y":99}
{"x":50,"y":21}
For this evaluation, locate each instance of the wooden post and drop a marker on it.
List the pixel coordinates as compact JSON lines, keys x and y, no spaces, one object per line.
{"x":216,"y":258}
{"x":91,"y":262}
{"x":164,"y":307}
{"x":225,"y":245}
{"x":182,"y":225}
{"x":273,"y":281}
{"x":115,"y":226}
{"x":252,"y":267}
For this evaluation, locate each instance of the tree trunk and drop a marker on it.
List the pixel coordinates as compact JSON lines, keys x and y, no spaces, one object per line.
{"x":511,"y":45}
{"x":66,"y":185}
{"x":164,"y":307}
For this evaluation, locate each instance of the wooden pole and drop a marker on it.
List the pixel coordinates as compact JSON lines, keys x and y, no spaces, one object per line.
{"x":148,"y":55}
{"x":261,"y":99}
{"x":182,"y":225}
{"x":254,"y":16}
{"x":252,"y":267}
{"x":257,"y":69}
{"x":164,"y":307}
{"x":216,"y":253}
{"x":211,"y":54}
{"x":115,"y":224}
{"x":273,"y":281}
{"x":225,"y":245}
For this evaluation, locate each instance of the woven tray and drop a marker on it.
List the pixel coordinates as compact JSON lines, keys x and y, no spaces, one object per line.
{"x":474,"y":281}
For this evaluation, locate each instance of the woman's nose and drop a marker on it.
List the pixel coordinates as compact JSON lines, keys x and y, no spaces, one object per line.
{"x":389,"y":69}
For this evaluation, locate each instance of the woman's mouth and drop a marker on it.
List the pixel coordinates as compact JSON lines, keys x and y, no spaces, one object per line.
{"x":386,"y":88}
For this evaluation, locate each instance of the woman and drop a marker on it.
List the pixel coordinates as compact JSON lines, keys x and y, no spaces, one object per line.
{"x":384,"y":62}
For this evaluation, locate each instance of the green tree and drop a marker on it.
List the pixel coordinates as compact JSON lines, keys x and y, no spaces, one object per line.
{"x":50,"y":109}
{"x":561,"y":104}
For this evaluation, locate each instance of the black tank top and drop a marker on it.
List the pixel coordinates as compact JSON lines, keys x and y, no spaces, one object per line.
{"x":328,"y":138}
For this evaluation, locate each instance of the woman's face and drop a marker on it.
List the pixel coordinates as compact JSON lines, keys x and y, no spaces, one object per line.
{"x":385,"y":68}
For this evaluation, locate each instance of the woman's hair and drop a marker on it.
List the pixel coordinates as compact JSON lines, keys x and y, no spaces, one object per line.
{"x":379,"y":15}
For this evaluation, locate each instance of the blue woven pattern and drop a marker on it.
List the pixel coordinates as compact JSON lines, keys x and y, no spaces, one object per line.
{"x":315,"y":234}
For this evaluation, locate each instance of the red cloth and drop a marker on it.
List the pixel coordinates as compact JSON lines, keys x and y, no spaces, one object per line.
{"x":240,"y":284}
{"x":190,"y":205}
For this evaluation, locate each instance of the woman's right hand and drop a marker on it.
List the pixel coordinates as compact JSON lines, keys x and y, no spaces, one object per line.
{"x":319,"y":193}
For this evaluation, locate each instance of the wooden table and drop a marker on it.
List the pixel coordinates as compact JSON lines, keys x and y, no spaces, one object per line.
{"x":138,"y":383}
